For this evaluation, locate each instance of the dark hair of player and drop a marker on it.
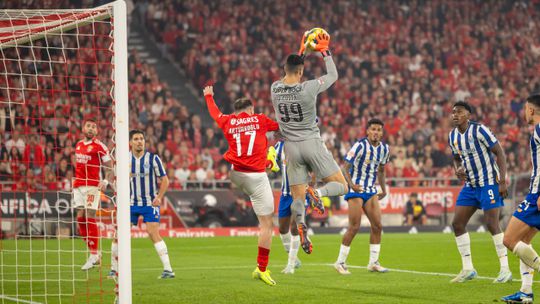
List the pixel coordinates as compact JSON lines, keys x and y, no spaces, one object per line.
{"x":135,"y":132}
{"x":463,"y":104}
{"x":374,"y":121}
{"x":242,"y":104}
{"x":294,"y":62}
{"x":534,"y":99}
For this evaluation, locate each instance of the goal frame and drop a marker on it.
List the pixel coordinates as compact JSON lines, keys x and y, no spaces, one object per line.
{"x":121,"y":122}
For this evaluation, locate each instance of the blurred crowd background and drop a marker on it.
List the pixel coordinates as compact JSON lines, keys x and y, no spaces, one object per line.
{"x":405,"y":62}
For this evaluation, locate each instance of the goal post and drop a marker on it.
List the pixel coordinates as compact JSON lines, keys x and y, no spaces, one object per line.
{"x":57,"y":65}
{"x":122,"y":151}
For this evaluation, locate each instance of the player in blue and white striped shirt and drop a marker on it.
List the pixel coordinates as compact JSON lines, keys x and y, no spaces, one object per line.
{"x":525,"y":222}
{"x":146,"y":169}
{"x":288,"y":230}
{"x":473,"y":147}
{"x":364,"y":164}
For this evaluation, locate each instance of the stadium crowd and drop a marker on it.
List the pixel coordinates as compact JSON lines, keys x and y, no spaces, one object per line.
{"x":405,"y":62}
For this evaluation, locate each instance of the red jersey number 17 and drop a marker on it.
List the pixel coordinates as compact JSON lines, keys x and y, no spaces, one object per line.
{"x":238,"y":136}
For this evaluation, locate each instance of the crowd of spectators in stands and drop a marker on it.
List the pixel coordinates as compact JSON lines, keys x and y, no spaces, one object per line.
{"x":405,"y":62}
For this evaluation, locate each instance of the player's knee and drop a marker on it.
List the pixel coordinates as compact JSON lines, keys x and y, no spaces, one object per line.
{"x":283,"y":229}
{"x":354,"y":226}
{"x":493,"y":228}
{"x":376,"y":228}
{"x":492,"y":223}
{"x":509,"y":241}
{"x":266,"y":223}
{"x":153,"y":233}
{"x":459,"y":228}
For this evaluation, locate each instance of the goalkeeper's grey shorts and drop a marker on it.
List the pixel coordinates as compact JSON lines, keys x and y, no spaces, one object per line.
{"x":308,"y":155}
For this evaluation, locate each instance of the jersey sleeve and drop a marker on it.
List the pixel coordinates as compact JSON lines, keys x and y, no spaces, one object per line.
{"x":222,"y":120}
{"x":353,"y":152}
{"x":104,"y":154}
{"x":279,"y":150}
{"x":159,"y":169}
{"x":536,"y":134}
{"x":322,"y":83}
{"x":486,"y":136}
{"x":214,"y":111}
{"x":454,"y":150}
{"x":270,"y":124}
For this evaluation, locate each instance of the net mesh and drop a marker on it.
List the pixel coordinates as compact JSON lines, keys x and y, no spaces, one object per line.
{"x":56,"y":67}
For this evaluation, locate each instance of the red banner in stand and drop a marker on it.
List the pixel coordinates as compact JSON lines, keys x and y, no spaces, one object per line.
{"x":397,"y":197}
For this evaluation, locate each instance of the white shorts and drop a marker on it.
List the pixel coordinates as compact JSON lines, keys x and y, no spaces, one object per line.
{"x":86,"y":197}
{"x":257,"y":186}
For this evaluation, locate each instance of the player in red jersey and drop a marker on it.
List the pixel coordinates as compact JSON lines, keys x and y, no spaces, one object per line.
{"x":245,"y":132}
{"x":90,"y":156}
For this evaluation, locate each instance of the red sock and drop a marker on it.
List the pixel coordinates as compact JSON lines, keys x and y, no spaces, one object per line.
{"x":262,"y":258}
{"x":93,"y":235}
{"x":81,"y":221}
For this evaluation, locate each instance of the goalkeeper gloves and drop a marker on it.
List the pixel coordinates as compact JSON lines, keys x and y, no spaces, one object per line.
{"x":271,"y":162}
{"x":303,"y":44}
{"x":323,"y":43}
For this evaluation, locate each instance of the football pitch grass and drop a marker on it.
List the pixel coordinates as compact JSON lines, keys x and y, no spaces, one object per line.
{"x":218,"y":270}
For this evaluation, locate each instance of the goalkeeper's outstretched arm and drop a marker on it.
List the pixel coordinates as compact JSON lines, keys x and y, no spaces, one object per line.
{"x":324,"y":82}
{"x":331,"y":74}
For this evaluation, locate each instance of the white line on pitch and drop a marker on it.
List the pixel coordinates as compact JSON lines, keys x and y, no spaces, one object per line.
{"x":18,"y":300}
{"x":225,"y":267}
{"x":322,"y":264}
{"x":442,"y":274}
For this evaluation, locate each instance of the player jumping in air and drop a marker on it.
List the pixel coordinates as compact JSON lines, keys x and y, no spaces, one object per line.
{"x":525,"y":222}
{"x":365,"y":163}
{"x":245,"y":132}
{"x":146,"y":169}
{"x":473,"y":146}
{"x":296,"y":110}
{"x":91,"y":155}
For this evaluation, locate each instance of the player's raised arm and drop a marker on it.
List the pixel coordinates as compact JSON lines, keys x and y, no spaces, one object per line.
{"x":321,"y":84}
{"x":214,"y":111}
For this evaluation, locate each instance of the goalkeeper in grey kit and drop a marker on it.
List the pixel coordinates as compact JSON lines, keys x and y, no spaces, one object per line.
{"x":295,"y":104}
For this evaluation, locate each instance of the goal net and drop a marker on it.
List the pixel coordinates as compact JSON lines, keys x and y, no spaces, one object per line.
{"x":56,"y":68}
